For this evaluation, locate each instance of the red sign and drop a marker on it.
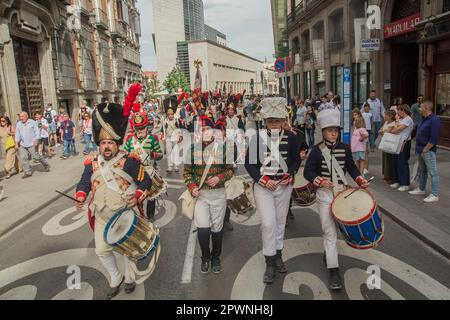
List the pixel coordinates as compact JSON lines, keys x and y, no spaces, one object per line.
{"x":400,"y":27}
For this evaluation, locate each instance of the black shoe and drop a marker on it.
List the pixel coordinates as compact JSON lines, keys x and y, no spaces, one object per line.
{"x":324,"y":258}
{"x":279,"y":264}
{"x":27,"y":175}
{"x":46,"y":167}
{"x":335,"y":279}
{"x":216,"y":266}
{"x":228,"y":226}
{"x":129,"y":287}
{"x":114,"y":291}
{"x":269,"y":275}
{"x":205,"y":266}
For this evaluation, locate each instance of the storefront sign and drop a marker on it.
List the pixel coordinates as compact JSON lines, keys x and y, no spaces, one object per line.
{"x":369,"y":45}
{"x":346,"y":105}
{"x":400,"y":27}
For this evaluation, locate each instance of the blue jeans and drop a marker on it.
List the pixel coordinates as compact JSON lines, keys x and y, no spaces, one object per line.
{"x":87,"y":142}
{"x":374,"y":133}
{"x":68,"y":145}
{"x":311,"y":137}
{"x":428,"y":165}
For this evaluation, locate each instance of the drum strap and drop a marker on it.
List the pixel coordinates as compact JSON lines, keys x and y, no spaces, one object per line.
{"x":274,"y":152}
{"x":208,"y":165}
{"x":106,"y":171}
{"x":337,"y":170}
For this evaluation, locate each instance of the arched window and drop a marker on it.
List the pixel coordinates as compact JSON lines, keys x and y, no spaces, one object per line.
{"x":405,"y":8}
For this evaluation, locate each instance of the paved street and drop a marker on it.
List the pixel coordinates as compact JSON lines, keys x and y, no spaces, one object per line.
{"x":35,"y":257}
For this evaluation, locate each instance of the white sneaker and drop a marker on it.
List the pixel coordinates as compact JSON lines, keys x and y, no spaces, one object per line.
{"x":395,"y":185}
{"x":431,"y":198}
{"x":366,"y":171}
{"x":403,"y":188}
{"x":417,"y":192}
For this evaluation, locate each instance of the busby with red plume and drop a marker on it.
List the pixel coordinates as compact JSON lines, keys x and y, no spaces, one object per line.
{"x":110,"y":120}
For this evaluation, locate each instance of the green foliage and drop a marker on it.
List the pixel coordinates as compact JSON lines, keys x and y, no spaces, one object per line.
{"x":153,"y":86}
{"x":176,"y":79}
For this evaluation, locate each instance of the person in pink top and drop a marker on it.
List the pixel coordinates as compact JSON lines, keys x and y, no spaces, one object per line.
{"x":359,"y":143}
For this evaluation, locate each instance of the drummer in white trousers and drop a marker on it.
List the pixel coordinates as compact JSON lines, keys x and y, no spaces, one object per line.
{"x":272,"y":159}
{"x":326,"y":167}
{"x":205,"y":174}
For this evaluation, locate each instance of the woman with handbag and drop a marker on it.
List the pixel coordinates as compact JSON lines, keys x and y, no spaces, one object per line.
{"x":8,"y":146}
{"x":404,"y":128}
{"x":205,"y":175}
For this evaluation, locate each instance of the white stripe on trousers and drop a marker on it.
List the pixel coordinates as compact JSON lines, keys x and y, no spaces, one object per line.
{"x":325,"y":198}
{"x":273,"y":207}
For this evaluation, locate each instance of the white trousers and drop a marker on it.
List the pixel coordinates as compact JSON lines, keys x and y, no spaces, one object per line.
{"x":172,"y":150}
{"x":105,"y":252}
{"x":324,"y":199}
{"x":273,"y":207}
{"x":210,"y":209}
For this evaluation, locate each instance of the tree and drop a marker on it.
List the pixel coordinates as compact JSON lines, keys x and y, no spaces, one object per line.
{"x":176,"y":79}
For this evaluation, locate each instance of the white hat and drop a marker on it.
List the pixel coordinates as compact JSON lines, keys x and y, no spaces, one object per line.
{"x":274,"y":108}
{"x":329,"y":118}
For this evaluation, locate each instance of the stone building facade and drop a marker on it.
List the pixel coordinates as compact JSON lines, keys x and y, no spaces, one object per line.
{"x":413,"y":57}
{"x":66,"y":53}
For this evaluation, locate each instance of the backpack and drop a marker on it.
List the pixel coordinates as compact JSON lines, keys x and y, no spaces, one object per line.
{"x":48,"y":116}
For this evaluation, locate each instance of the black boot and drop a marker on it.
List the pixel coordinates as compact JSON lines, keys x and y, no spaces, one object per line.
{"x":226,"y":222}
{"x":204,"y":235}
{"x":216,"y":251}
{"x":279,"y":264}
{"x":269,"y":275}
{"x":150,"y":212}
{"x":335,"y":279}
{"x":114,"y":291}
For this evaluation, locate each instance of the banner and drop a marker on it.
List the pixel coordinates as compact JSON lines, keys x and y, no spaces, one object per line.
{"x":361,"y":32}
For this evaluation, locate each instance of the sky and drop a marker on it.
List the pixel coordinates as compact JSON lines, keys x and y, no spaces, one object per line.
{"x":246,"y":23}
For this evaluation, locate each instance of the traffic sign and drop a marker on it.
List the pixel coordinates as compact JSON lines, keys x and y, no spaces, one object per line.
{"x":280,"y":65}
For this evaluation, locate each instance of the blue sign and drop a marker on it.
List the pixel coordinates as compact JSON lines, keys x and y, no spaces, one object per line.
{"x":280,"y":65}
{"x":346,"y":105}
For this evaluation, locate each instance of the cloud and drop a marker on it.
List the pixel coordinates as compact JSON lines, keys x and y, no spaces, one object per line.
{"x":246,"y":23}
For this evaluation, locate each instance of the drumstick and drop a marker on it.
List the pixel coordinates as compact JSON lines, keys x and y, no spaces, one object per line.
{"x":368,"y":181}
{"x":65,"y":195}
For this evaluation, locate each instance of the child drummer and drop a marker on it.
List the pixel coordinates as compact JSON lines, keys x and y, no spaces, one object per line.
{"x":326,"y":167}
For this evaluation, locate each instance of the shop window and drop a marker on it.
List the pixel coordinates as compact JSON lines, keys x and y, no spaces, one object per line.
{"x":307,"y":84}
{"x":361,"y":83}
{"x":336,"y":80}
{"x":443,"y":94}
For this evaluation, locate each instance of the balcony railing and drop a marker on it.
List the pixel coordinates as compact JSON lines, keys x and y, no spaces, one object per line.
{"x":101,"y":19}
{"x":85,"y":6}
{"x":336,"y":45}
{"x":116,"y":28}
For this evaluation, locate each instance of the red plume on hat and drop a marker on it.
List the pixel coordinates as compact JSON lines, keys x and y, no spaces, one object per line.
{"x":207,"y":121}
{"x":220,"y":123}
{"x":133,"y":92}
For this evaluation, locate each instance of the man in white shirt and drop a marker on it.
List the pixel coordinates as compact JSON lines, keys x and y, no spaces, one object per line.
{"x":26,"y":137}
{"x":377,"y":109}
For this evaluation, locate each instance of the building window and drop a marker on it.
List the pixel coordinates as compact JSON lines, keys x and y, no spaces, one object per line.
{"x":307,"y":84}
{"x":446,"y":6}
{"x":443,"y":94}
{"x":320,"y":76}
{"x":361,"y":83}
{"x":336,"y":80}
{"x":297,"y":84}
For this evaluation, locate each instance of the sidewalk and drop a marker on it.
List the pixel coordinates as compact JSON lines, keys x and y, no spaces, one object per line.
{"x":25,"y":197}
{"x":429,"y":222}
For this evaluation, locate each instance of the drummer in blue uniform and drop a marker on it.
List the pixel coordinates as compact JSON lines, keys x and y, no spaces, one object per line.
{"x":115,"y":182}
{"x":326,"y":167}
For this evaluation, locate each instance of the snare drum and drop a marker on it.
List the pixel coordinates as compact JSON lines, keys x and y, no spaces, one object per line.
{"x":131,"y":235}
{"x":159,"y":185}
{"x":304,"y":192}
{"x":358,"y":218}
{"x":240,"y":197}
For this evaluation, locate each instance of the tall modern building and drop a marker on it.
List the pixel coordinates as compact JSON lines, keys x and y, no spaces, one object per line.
{"x":215,"y":35}
{"x":194,"y":20}
{"x":279,"y":21}
{"x":169,"y":26}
